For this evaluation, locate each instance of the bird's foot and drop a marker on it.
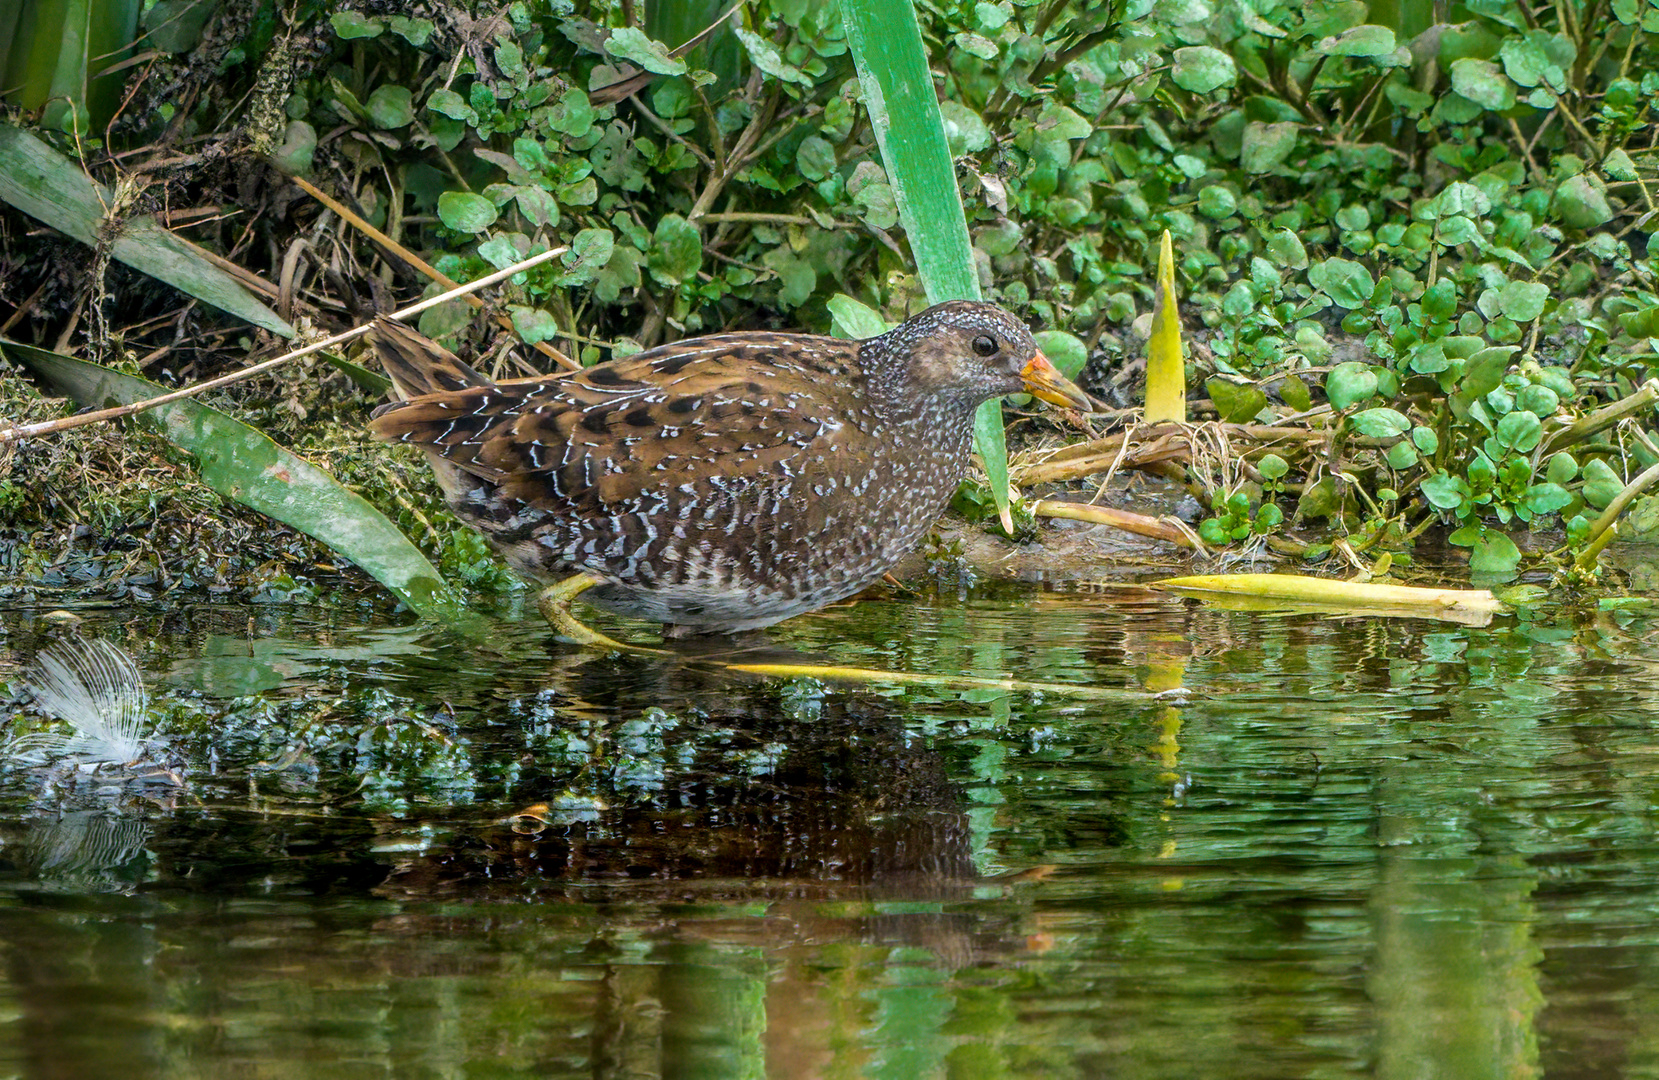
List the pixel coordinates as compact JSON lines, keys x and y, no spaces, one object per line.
{"x":554,"y":602}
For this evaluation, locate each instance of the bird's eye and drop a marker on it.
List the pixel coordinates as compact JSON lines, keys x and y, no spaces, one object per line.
{"x":985,"y":345}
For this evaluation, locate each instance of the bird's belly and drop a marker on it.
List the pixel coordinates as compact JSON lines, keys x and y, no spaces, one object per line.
{"x":740,"y":553}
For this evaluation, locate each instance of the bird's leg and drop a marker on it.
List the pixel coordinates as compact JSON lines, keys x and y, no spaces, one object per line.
{"x":554,"y":602}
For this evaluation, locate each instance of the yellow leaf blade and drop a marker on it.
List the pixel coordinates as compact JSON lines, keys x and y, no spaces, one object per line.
{"x":1166,"y":380}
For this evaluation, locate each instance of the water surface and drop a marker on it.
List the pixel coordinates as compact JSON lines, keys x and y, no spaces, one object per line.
{"x":1357,"y":849}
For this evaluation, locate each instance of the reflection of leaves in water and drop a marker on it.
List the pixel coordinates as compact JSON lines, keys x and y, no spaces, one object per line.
{"x":98,"y":691}
{"x":84,"y":850}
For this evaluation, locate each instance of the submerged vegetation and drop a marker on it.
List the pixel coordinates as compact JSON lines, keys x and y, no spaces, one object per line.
{"x":1412,"y":255}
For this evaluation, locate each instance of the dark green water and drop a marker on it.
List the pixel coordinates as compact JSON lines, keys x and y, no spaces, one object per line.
{"x":1360,"y":848}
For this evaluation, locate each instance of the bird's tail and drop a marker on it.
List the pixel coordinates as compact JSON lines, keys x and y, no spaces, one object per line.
{"x":418,"y":365}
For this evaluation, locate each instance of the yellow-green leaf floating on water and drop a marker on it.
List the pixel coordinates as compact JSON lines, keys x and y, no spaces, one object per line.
{"x":1277,"y":592}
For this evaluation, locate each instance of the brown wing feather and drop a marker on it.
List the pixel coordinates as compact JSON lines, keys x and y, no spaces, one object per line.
{"x":606,"y":435}
{"x":418,"y":365}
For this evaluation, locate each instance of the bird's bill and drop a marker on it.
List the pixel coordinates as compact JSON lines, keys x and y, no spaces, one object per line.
{"x":1044,"y":382}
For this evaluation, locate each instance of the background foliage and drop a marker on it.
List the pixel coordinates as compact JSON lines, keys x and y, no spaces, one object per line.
{"x":1436,"y":230}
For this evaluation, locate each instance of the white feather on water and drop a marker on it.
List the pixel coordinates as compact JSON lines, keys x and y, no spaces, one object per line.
{"x":99,"y":692}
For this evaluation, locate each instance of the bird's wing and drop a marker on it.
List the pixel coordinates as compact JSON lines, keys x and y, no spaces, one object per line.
{"x":731,"y":406}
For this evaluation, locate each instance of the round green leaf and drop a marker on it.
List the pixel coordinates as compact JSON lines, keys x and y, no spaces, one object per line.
{"x":764,"y":55}
{"x":590,"y":252}
{"x":1359,"y":41}
{"x":1538,"y":399}
{"x":537,"y":205}
{"x":630,"y":43}
{"x":815,"y":157}
{"x":1484,"y":371}
{"x":1461,"y":199}
{"x":1381,"y":423}
{"x":1519,"y":431}
{"x":351,"y":24}
{"x":1065,"y":351}
{"x":1216,"y":202}
{"x":1287,"y":251}
{"x":676,"y":252}
{"x":1402,"y":455}
{"x":1445,"y":491}
{"x":465,"y":212}
{"x":1440,"y":300}
{"x":1238,"y":403}
{"x":1524,"y":59}
{"x":1582,"y":202}
{"x":1348,"y":283}
{"x":1484,"y":83}
{"x":1201,"y":69}
{"x":1523,"y":301}
{"x":1601,"y":484}
{"x":1562,"y":468}
{"x":533,"y":324}
{"x":1272,"y":467}
{"x":1494,"y":553}
{"x":391,"y":106}
{"x":449,"y":103}
{"x":1456,"y":230}
{"x":1348,"y":384}
{"x":572,"y":114}
{"x":1547,"y":498}
{"x":1266,"y":146}
{"x":964,"y":130}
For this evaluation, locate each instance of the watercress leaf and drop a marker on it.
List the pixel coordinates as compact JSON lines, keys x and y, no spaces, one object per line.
{"x":390,"y":107}
{"x":533,"y":324}
{"x":1065,"y":351}
{"x":765,"y":56}
{"x":1523,"y":301}
{"x":590,"y":252}
{"x":1287,"y":251}
{"x":1364,"y":40}
{"x":1562,"y":468}
{"x":1445,"y":491}
{"x":1519,"y":431}
{"x":1484,"y":83}
{"x":1547,"y":498}
{"x":676,"y":252}
{"x":1538,"y":399}
{"x":1381,"y":423}
{"x":1467,"y":536}
{"x":1582,"y":202}
{"x":351,"y":24}
{"x":1266,"y":146}
{"x":630,"y":43}
{"x":465,"y":212}
{"x":1202,"y":68}
{"x":1238,"y":403}
{"x":1402,"y":455}
{"x":1346,"y":282}
{"x":1484,"y":371}
{"x":1601,"y":484}
{"x":1295,"y":393}
{"x":1349,"y":383}
{"x":1494,"y":553}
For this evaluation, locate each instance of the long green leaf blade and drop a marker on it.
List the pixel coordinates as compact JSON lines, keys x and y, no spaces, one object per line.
{"x":243,"y":464}
{"x":44,"y":184}
{"x":887,"y":48}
